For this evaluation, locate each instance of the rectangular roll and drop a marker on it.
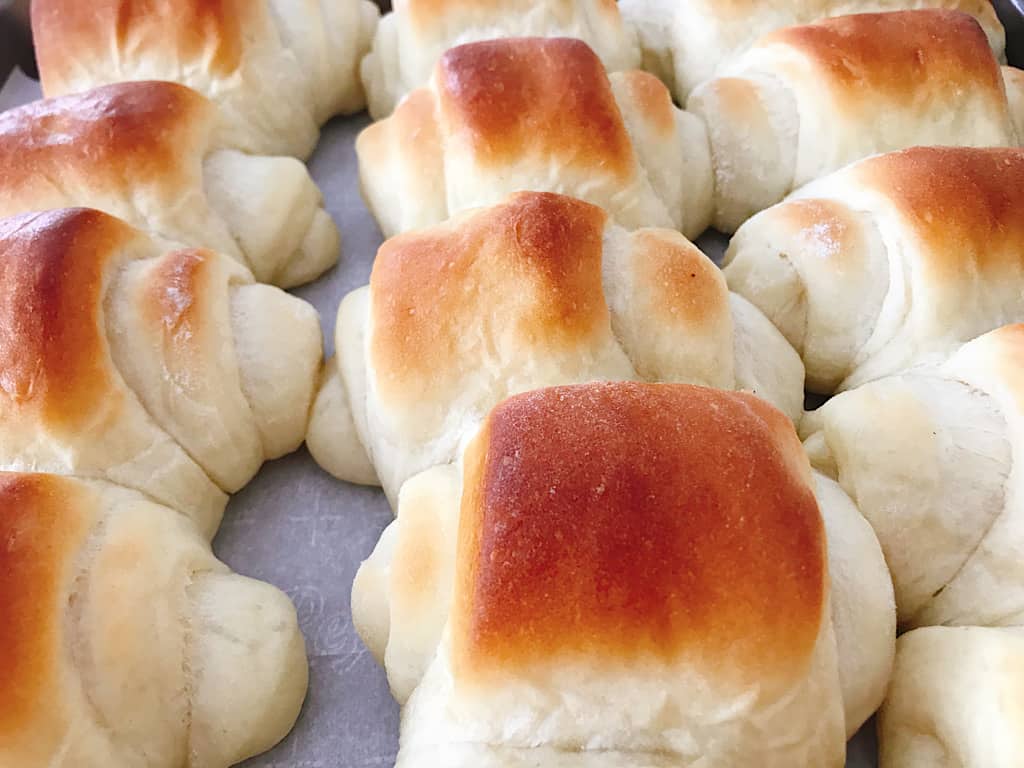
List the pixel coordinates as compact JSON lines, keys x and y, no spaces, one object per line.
{"x":623,"y":574}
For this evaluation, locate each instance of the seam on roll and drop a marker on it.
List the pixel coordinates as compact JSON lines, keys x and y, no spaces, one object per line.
{"x":618,"y":340}
{"x":363,"y":337}
{"x":188,"y":687}
{"x":75,"y":600}
{"x":107,"y":298}
{"x":984,"y":534}
{"x":235,"y":238}
{"x":231,"y":288}
{"x":857,"y":359}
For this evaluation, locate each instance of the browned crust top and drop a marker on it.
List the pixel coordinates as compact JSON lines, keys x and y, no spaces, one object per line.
{"x":533,"y":96}
{"x":964,"y":203}
{"x":53,"y":349}
{"x":628,"y":521}
{"x":211,"y":34}
{"x":437,"y":14}
{"x":530,"y":267}
{"x":114,"y":136}
{"x":892,"y":55}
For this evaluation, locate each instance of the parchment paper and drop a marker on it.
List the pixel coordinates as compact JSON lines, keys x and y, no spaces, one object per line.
{"x":298,"y":528}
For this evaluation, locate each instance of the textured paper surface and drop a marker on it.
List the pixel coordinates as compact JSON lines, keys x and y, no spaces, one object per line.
{"x":300,"y":529}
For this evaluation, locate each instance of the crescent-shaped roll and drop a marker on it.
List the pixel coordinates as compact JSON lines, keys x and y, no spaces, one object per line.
{"x":686,"y":43}
{"x":126,"y":642}
{"x":278,"y":69}
{"x":897,"y":259}
{"x":539,"y":114}
{"x":411,"y":39}
{"x":151,"y":153}
{"x":933,"y":458}
{"x":956,"y":699}
{"x":806,"y":101}
{"x":537,"y":291}
{"x":171,"y":373}
{"x":623,"y":574}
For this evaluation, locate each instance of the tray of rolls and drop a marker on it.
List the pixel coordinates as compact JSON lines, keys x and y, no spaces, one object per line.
{"x":562,"y":384}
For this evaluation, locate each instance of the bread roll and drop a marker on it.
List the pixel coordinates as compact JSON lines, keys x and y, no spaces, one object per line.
{"x":536,"y":114}
{"x":690,"y":42}
{"x":126,"y":642}
{"x":628,"y":574}
{"x":151,"y":153}
{"x":539,"y":290}
{"x":805,"y":101}
{"x":955,"y":700}
{"x":897,"y":259}
{"x":411,"y":39}
{"x":278,"y":69}
{"x":931,"y":458}
{"x":168,"y":372}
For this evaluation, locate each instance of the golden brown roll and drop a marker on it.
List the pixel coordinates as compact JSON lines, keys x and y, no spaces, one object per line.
{"x":536,"y":114}
{"x":805,"y":101}
{"x":126,"y":642}
{"x":169,"y":372}
{"x":890,"y":262}
{"x":539,"y":290}
{"x":688,"y":43}
{"x":153,"y":154}
{"x":411,"y":38}
{"x":628,"y":574}
{"x":277,"y":69}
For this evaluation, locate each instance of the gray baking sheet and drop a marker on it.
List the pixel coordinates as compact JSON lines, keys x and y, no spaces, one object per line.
{"x":299,"y":528}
